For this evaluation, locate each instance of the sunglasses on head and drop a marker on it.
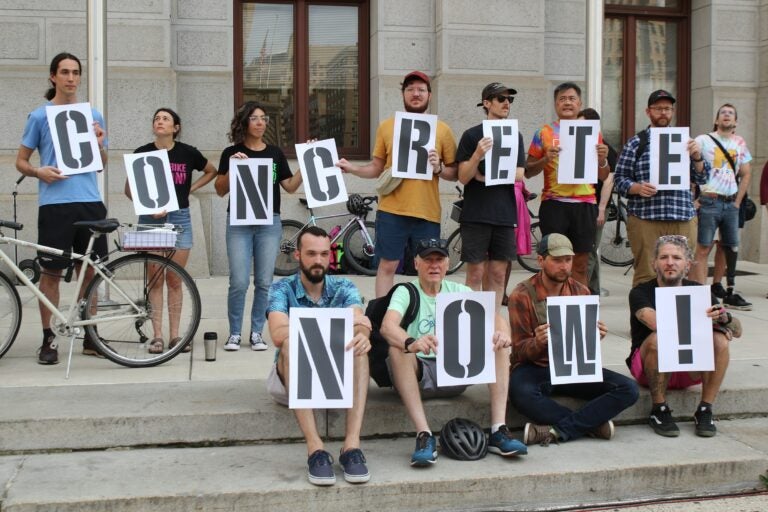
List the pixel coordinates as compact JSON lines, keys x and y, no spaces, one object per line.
{"x":432,"y":243}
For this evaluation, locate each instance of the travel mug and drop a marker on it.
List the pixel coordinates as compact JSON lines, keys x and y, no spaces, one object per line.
{"x":209,"y":341}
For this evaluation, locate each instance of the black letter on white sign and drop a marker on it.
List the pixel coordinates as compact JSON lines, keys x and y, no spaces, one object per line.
{"x":150,"y":177}
{"x":253,"y":193}
{"x":326,"y":159}
{"x":68,"y":125}
{"x":422,"y":155}
{"x":311,"y":346}
{"x":452,"y":334}
{"x":572,"y":339}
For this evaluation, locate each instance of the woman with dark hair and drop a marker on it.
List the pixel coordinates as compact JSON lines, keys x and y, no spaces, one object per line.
{"x":184,"y":159}
{"x":252,"y":247}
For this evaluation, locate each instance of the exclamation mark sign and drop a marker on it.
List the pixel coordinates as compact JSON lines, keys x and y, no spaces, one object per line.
{"x":685,"y":355}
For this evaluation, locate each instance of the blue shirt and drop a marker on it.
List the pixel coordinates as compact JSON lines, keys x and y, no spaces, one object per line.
{"x":77,"y":188}
{"x":666,"y":205}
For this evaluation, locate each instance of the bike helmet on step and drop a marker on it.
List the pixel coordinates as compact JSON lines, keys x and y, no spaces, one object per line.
{"x":463,"y":439}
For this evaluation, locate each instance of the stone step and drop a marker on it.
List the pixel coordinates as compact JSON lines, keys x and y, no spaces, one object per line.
{"x":635,"y":465}
{"x":194,"y":413}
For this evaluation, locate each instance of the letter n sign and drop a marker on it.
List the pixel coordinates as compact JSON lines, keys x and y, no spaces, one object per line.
{"x":74,"y":141}
{"x":414,"y":136}
{"x":320,"y":369}
{"x":250,"y":191}
{"x":464,"y":328}
{"x":574,"y":341}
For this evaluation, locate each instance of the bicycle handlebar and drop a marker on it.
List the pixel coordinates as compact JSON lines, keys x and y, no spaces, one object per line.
{"x":10,"y":224}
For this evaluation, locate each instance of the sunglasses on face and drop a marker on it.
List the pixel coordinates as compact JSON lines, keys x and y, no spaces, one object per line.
{"x":502,"y":98}
{"x":432,"y":243}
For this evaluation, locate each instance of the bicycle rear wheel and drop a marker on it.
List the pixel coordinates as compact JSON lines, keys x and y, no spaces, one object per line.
{"x":161,"y":291}
{"x":10,"y":313}
{"x":530,"y":262}
{"x":454,"y":251}
{"x":359,"y":251}
{"x":285,"y":263}
{"x":614,"y":244}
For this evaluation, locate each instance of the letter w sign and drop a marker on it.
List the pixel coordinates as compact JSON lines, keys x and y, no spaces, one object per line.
{"x":574,"y":341}
{"x":320,"y":369}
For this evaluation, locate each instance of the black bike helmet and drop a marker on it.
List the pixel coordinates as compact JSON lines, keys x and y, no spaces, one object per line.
{"x":355,"y":204}
{"x":463,"y":439}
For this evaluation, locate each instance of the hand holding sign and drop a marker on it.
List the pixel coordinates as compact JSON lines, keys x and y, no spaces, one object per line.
{"x":414,"y":137}
{"x":670,"y":161}
{"x":151,"y":182}
{"x":323,"y":181}
{"x":75,"y":138}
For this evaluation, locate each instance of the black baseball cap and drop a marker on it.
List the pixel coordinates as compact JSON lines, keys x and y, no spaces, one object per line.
{"x":661,"y":94}
{"x":495,"y":88}
{"x":430,"y":246}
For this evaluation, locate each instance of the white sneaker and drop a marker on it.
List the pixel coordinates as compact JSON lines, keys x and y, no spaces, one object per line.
{"x":233,"y":343}
{"x":257,"y":342}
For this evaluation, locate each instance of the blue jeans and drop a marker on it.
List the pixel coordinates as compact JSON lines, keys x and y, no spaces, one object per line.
{"x":715,"y":214}
{"x":530,"y":391}
{"x":251,"y":247}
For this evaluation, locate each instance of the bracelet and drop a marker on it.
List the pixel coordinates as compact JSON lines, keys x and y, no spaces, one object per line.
{"x":701,"y":159}
{"x":604,"y":164}
{"x":440,"y":171}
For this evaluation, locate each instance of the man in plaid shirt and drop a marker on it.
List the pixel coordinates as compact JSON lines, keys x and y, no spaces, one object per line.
{"x":653,"y":213}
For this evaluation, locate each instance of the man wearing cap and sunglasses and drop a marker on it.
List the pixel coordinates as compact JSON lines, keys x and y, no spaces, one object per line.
{"x":565,"y":208}
{"x":530,"y":386}
{"x":412,"y":355}
{"x":411,"y":211}
{"x":489,"y":214}
{"x":653,"y":213}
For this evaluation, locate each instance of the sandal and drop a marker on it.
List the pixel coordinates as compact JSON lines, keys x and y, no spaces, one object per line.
{"x":156,"y":346}
{"x":176,"y":341}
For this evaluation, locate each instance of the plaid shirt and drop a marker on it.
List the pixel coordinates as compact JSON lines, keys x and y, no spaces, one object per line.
{"x":666,"y":205}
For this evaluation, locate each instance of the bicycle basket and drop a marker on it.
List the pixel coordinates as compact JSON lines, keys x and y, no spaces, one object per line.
{"x":148,"y":238}
{"x":456,"y":210}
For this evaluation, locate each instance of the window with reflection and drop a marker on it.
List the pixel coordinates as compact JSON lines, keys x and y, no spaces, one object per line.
{"x":307,"y":62}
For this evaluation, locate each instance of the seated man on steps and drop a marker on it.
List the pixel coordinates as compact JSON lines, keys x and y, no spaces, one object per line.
{"x":530,"y":388}
{"x":311,"y":287}
{"x":672,"y":260}
{"x":412,"y":356}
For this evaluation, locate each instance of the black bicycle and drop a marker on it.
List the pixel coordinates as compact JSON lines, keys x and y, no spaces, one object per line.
{"x":614,"y":244}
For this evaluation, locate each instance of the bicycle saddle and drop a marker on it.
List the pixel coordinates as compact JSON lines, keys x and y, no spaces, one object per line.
{"x":99,"y":226}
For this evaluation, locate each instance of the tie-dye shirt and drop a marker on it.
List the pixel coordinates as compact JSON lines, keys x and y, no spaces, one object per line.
{"x":722,"y":179}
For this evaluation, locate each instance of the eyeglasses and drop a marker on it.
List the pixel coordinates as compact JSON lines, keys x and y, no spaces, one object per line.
{"x":663,"y":110}
{"x":416,"y":90}
{"x":432,"y":243}
{"x":253,"y":119}
{"x":501,"y":98}
{"x":569,"y":99}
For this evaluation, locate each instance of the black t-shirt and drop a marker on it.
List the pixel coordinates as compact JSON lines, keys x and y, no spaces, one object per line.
{"x":644,"y":296}
{"x":184,"y":159}
{"x":482,"y":204}
{"x":280,"y":169}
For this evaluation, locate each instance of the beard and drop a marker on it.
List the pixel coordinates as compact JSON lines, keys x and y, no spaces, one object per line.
{"x":559,"y":277}
{"x":413,"y":110}
{"x":314,"y":277}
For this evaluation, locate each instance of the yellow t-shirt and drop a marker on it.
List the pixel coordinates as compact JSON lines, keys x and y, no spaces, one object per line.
{"x":414,"y":198}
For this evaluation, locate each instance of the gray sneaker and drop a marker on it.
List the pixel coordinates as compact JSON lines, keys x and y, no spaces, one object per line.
{"x":257,"y":342}
{"x":233,"y":343}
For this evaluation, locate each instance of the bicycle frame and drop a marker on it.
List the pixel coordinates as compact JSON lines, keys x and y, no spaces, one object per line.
{"x":353,"y":219}
{"x":68,"y":325}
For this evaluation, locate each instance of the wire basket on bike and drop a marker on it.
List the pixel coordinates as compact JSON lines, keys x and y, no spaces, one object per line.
{"x":147,"y":237}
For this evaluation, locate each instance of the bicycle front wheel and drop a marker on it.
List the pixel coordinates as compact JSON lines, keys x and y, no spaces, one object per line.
{"x":359,"y":249}
{"x":285,"y":263}
{"x":148,"y":297}
{"x":10,"y":313}
{"x":614,"y":244}
{"x":454,"y":251}
{"x":530,"y":262}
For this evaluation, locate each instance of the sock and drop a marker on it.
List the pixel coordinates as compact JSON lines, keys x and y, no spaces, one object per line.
{"x":659,"y":406}
{"x":47,"y":335}
{"x":704,"y":405}
{"x":427,"y":431}
{"x":495,"y":427}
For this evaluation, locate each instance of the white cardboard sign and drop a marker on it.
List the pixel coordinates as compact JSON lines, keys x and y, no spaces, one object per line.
{"x":577,"y":161}
{"x":501,"y":159}
{"x":574,"y":339}
{"x":250,"y":191}
{"x":74,"y":141}
{"x":670,"y":161}
{"x":414,"y":137}
{"x":684,"y":330}
{"x":321,"y":370}
{"x":464,"y":326}
{"x":151,"y":182}
{"x":323,"y":181}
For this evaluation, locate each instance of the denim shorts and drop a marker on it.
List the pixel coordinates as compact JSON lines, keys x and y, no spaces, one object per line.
{"x":180,"y":218}
{"x":716,"y":213}
{"x":393,"y":232}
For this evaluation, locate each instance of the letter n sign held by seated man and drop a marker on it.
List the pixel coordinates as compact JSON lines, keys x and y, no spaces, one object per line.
{"x":250,"y":191}
{"x":323,"y":182}
{"x":74,"y":141}
{"x":670,"y":161}
{"x":574,"y":340}
{"x":320,"y":369}
{"x":414,"y":136}
{"x":151,"y":182}
{"x":464,"y":325}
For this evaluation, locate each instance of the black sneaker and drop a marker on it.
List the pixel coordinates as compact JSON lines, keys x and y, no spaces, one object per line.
{"x":705,"y":423}
{"x":661,"y":421}
{"x":734,"y":300}
{"x":718,"y":290}
{"x":47,"y":354}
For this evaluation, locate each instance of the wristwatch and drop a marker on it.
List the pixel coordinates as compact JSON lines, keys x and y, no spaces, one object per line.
{"x":407,"y":345}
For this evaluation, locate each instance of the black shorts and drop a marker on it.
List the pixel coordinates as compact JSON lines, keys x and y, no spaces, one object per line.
{"x":55,"y":228}
{"x":577,"y":221}
{"x":481,"y":242}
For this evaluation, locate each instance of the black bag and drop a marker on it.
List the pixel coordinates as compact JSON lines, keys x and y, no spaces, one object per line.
{"x":375,"y":311}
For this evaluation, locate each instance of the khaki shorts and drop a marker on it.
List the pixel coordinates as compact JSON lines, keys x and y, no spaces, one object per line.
{"x":276,"y":388}
{"x":428,"y":382}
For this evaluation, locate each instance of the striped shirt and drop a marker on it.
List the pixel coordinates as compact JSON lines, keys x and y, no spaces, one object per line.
{"x":666,"y":205}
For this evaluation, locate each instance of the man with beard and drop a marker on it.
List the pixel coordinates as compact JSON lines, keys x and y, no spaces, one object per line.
{"x":413,"y":353}
{"x":489,"y":215}
{"x":313,"y":288}
{"x":567,"y":209}
{"x":671,"y":262}
{"x":411,"y":212}
{"x":720,"y":201}
{"x":653,"y":213}
{"x":530,"y":386}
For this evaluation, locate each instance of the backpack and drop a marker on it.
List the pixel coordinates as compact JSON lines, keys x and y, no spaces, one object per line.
{"x":644,"y":137}
{"x":375,"y":311}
